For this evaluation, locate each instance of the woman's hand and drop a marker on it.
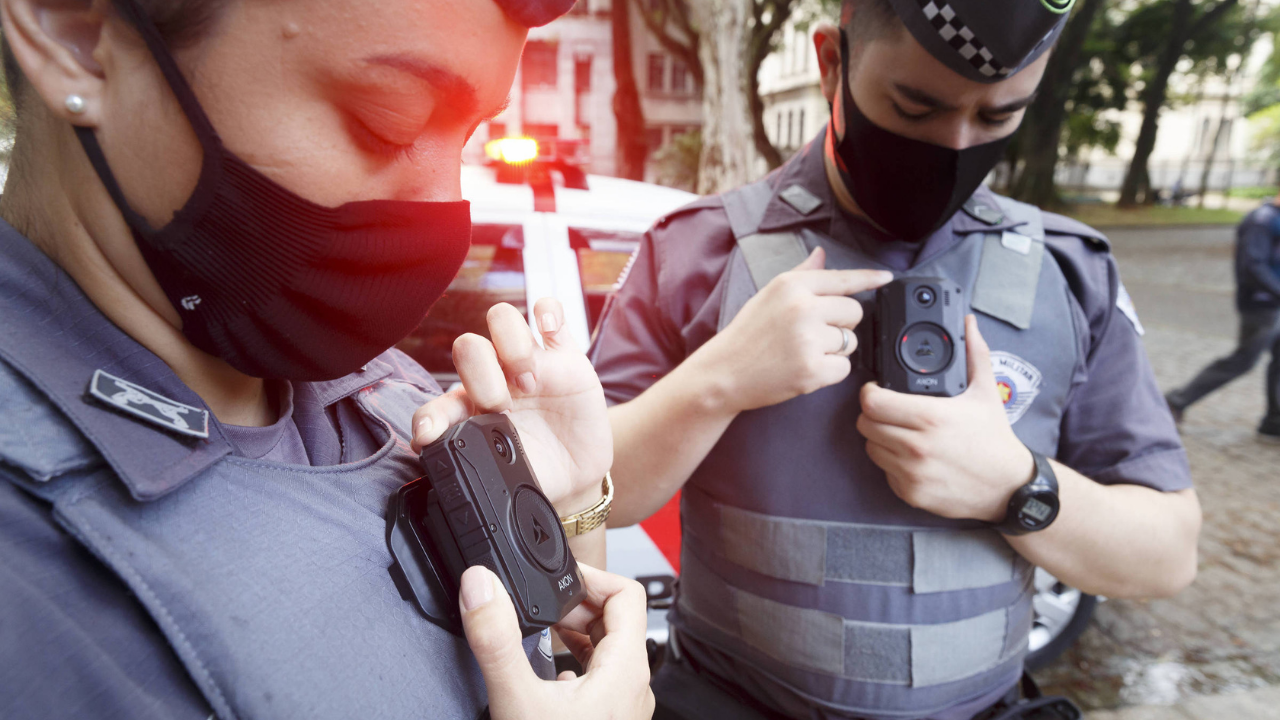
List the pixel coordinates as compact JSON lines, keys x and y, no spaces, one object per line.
{"x":606,"y":633}
{"x":551,"y":394}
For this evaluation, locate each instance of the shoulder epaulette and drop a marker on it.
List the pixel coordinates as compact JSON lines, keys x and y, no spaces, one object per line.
{"x":1063,"y":225}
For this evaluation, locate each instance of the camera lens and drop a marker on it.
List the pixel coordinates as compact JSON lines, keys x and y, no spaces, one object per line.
{"x":925,"y":296}
{"x":500,"y":446}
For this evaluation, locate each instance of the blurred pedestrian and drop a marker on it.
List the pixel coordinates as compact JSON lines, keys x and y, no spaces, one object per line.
{"x":1258,"y":300}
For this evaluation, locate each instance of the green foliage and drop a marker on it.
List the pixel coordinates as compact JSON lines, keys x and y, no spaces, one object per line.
{"x":676,"y":164}
{"x":1257,"y":192}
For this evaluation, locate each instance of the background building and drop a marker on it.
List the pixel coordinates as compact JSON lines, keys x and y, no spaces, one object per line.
{"x":565,"y":85}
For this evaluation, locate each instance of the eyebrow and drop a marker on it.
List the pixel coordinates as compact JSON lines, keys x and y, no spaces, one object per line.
{"x":921,"y":97}
{"x":460,"y":92}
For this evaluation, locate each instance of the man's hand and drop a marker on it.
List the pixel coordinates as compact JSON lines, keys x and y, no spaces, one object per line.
{"x":955,"y":457}
{"x":552,"y":395}
{"x":606,"y":633}
{"x":786,"y":340}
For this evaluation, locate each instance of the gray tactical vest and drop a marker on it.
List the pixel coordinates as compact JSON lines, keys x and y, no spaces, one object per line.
{"x":270,"y":581}
{"x":798,"y":559}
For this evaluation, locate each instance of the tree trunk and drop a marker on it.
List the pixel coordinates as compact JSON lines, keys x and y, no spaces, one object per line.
{"x":727,"y":161}
{"x":1136,"y":179}
{"x":1042,"y":131}
{"x":632,"y":139}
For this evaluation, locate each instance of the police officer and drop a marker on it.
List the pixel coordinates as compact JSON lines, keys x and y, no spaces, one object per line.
{"x":1258,"y":300}
{"x":849,"y":551}
{"x":218,"y":217}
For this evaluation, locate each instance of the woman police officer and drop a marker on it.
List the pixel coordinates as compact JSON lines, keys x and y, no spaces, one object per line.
{"x":219,"y":216}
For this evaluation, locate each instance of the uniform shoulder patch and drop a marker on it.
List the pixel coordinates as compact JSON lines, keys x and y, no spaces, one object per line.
{"x":1124,"y":303}
{"x":152,"y":407}
{"x":1018,"y":381}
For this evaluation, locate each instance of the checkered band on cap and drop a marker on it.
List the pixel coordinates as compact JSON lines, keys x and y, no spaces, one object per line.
{"x":942,"y":16}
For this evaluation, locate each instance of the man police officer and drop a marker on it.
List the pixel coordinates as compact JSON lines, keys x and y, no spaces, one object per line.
{"x":850,"y":551}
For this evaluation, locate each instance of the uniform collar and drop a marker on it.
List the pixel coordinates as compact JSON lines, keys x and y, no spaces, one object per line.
{"x":982,"y":212}
{"x":55,"y":337}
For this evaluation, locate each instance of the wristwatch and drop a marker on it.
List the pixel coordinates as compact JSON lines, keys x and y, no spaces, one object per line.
{"x":1034,"y":506}
{"x":581,"y":523}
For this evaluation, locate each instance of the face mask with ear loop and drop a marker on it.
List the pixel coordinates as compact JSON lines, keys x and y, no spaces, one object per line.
{"x":278,"y":286}
{"x":908,"y":187}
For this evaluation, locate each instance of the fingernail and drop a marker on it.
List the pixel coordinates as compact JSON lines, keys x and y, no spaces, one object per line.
{"x":421,"y":429}
{"x":476,"y":590}
{"x":525,"y":382}
{"x":549,"y":325}
{"x":885,"y":276}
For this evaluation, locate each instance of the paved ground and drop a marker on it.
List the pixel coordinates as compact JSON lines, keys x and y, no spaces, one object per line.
{"x":1213,"y":652}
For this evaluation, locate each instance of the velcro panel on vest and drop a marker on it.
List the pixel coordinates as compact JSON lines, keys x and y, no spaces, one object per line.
{"x":819,"y":641}
{"x":1008,"y":277}
{"x":812,"y":551}
{"x":768,"y":255}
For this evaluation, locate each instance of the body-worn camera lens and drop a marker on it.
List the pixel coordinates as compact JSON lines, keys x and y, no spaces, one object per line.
{"x":925,"y":296}
{"x":502,"y":446}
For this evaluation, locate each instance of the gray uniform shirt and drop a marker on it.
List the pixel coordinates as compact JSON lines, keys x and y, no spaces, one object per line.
{"x":74,"y":641}
{"x":1115,"y":427}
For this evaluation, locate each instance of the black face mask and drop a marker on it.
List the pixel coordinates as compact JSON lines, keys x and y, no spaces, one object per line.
{"x":908,"y":187}
{"x":274,"y":284}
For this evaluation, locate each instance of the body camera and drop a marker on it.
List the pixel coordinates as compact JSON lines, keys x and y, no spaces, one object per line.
{"x":919,"y":337}
{"x":480,"y":504}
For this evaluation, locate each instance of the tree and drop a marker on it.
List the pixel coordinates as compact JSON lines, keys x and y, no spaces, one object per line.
{"x":1041,"y":133}
{"x":724,"y":43}
{"x":632,"y":141}
{"x":1179,"y":24}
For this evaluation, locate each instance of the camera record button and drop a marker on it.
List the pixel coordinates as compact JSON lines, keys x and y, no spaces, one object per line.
{"x":926,"y":348}
{"x":539,"y":529}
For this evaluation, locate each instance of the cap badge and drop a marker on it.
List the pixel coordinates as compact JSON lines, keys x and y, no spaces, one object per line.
{"x":149,"y":406}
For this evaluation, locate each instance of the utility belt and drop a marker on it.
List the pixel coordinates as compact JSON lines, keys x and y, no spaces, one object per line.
{"x":684,"y":693}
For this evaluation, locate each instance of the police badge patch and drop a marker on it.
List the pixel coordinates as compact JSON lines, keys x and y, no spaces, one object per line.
{"x":146,"y":405}
{"x":1019,"y":383}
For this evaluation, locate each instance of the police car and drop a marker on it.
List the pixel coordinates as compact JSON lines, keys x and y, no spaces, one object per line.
{"x":542,"y":227}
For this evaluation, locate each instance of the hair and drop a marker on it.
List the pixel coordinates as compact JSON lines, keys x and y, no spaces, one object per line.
{"x":867,"y":20}
{"x":180,"y":22}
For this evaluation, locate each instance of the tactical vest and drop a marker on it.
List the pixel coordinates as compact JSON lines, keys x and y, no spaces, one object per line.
{"x":829,"y":589}
{"x":270,"y":581}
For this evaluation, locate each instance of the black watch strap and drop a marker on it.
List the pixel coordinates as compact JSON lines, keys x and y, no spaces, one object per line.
{"x":1034,"y":506}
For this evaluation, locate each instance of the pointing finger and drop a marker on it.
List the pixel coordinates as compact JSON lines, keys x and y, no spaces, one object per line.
{"x":843,"y":282}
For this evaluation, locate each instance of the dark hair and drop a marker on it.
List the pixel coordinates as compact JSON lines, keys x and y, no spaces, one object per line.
{"x":867,"y":20}
{"x":180,"y":22}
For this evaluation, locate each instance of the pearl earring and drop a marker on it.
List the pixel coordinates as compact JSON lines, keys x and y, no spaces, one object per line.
{"x":75,"y":104}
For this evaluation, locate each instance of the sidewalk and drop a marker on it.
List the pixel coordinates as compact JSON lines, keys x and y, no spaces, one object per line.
{"x":1263,"y":704}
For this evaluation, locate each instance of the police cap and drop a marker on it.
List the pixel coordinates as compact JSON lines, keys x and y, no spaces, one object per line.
{"x":535,"y":13}
{"x":985,"y":40}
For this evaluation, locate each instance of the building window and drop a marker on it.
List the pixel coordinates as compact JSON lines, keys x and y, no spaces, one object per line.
{"x":539,"y":64}
{"x":580,"y":8}
{"x":681,"y":78}
{"x":497,"y":130}
{"x":582,"y":73}
{"x":777,"y":133}
{"x":657,"y":72}
{"x":790,"y":128}
{"x":800,"y":124}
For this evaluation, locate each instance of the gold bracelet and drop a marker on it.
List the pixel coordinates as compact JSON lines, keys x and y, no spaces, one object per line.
{"x":593,"y":517}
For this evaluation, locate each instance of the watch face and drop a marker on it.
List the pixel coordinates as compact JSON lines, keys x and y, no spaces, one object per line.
{"x":1036,"y":509}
